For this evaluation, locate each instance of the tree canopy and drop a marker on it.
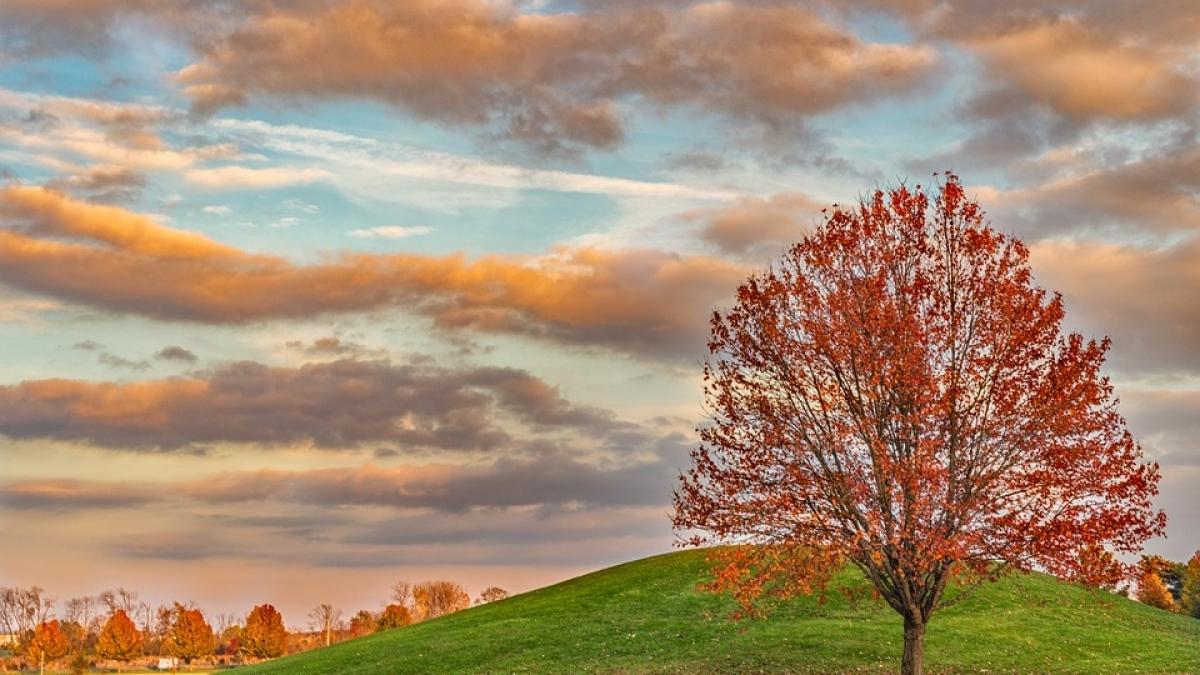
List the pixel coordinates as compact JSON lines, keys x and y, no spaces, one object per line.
{"x":897,"y":391}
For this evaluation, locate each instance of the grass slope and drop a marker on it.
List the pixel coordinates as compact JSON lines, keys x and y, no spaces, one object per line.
{"x":647,"y":616}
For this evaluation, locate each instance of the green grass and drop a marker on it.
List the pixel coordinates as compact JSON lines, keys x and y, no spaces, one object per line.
{"x":647,"y":617}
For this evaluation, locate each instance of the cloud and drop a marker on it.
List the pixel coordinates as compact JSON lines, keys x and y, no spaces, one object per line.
{"x":245,"y":178}
{"x":217,"y":210}
{"x":1167,"y":422}
{"x":1050,"y":73}
{"x":116,"y":140}
{"x":373,"y":168}
{"x":1155,"y":193}
{"x":24,"y":310}
{"x":506,"y":532}
{"x":507,"y":483}
{"x":640,"y":302}
{"x":114,"y":361}
{"x":1084,"y":73}
{"x":176,"y":353}
{"x":32,"y":28}
{"x":757,"y":225}
{"x":335,"y":346}
{"x":390,"y":232}
{"x":103,"y":183}
{"x":341,"y":404}
{"x":72,"y":495}
{"x":1144,"y":297}
{"x":551,"y":483}
{"x":552,"y":81}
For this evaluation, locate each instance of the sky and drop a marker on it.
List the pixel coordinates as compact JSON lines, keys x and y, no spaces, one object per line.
{"x":302,"y":297}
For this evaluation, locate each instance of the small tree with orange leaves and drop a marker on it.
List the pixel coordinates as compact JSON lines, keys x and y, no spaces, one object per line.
{"x":264,"y":636}
{"x":363,"y":623}
{"x":119,"y":640}
{"x":1152,"y":591}
{"x":47,"y":643}
{"x":188,"y":636}
{"x":896,"y":392}
{"x":393,"y":616}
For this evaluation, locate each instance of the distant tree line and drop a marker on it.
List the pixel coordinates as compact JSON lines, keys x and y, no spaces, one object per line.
{"x":116,"y":629}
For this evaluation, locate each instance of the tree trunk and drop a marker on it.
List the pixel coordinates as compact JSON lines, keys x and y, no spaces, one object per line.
{"x":914,"y":648}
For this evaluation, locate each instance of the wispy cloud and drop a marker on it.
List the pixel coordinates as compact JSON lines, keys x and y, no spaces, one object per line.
{"x":390,"y":232}
{"x":368,"y":162}
{"x":246,"y":178}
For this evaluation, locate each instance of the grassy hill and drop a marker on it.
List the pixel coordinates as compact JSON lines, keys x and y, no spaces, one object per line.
{"x":647,"y":616}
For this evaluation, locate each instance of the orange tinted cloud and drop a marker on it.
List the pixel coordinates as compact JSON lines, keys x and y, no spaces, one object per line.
{"x":1156,"y":193}
{"x":1144,"y":297}
{"x":552,"y":81}
{"x":758,"y":225}
{"x":636,"y":301}
{"x":66,"y":494}
{"x":1084,"y":73}
{"x":549,"y":480}
{"x":341,"y":404}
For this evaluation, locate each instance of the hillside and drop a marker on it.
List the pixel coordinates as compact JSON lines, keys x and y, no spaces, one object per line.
{"x":647,"y":616}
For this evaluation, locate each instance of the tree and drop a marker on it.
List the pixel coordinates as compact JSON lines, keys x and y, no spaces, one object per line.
{"x":1189,"y":603}
{"x":394,"y":615}
{"x":120,"y":598}
{"x":264,"y":636}
{"x":188,"y":635}
{"x":230,"y":639}
{"x":1155,"y":593}
{"x":75,"y":633}
{"x":22,"y":609}
{"x":435,"y":598}
{"x":325,"y":619}
{"x":47,"y":643}
{"x":896,"y":392}
{"x":402,"y":593}
{"x":491,"y":594}
{"x":1169,"y":572}
{"x":83,"y":610}
{"x":362,"y":623}
{"x":119,"y":640}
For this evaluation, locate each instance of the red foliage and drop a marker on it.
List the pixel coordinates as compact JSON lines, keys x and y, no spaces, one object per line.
{"x":898,"y":393}
{"x":1099,"y":568}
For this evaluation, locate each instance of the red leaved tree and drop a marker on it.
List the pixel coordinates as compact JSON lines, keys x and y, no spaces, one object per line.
{"x":898,"y":393}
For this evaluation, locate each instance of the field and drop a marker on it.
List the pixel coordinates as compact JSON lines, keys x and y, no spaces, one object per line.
{"x":647,"y":617}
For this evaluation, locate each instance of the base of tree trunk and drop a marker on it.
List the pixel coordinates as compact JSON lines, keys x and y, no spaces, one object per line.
{"x":914,"y":648}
